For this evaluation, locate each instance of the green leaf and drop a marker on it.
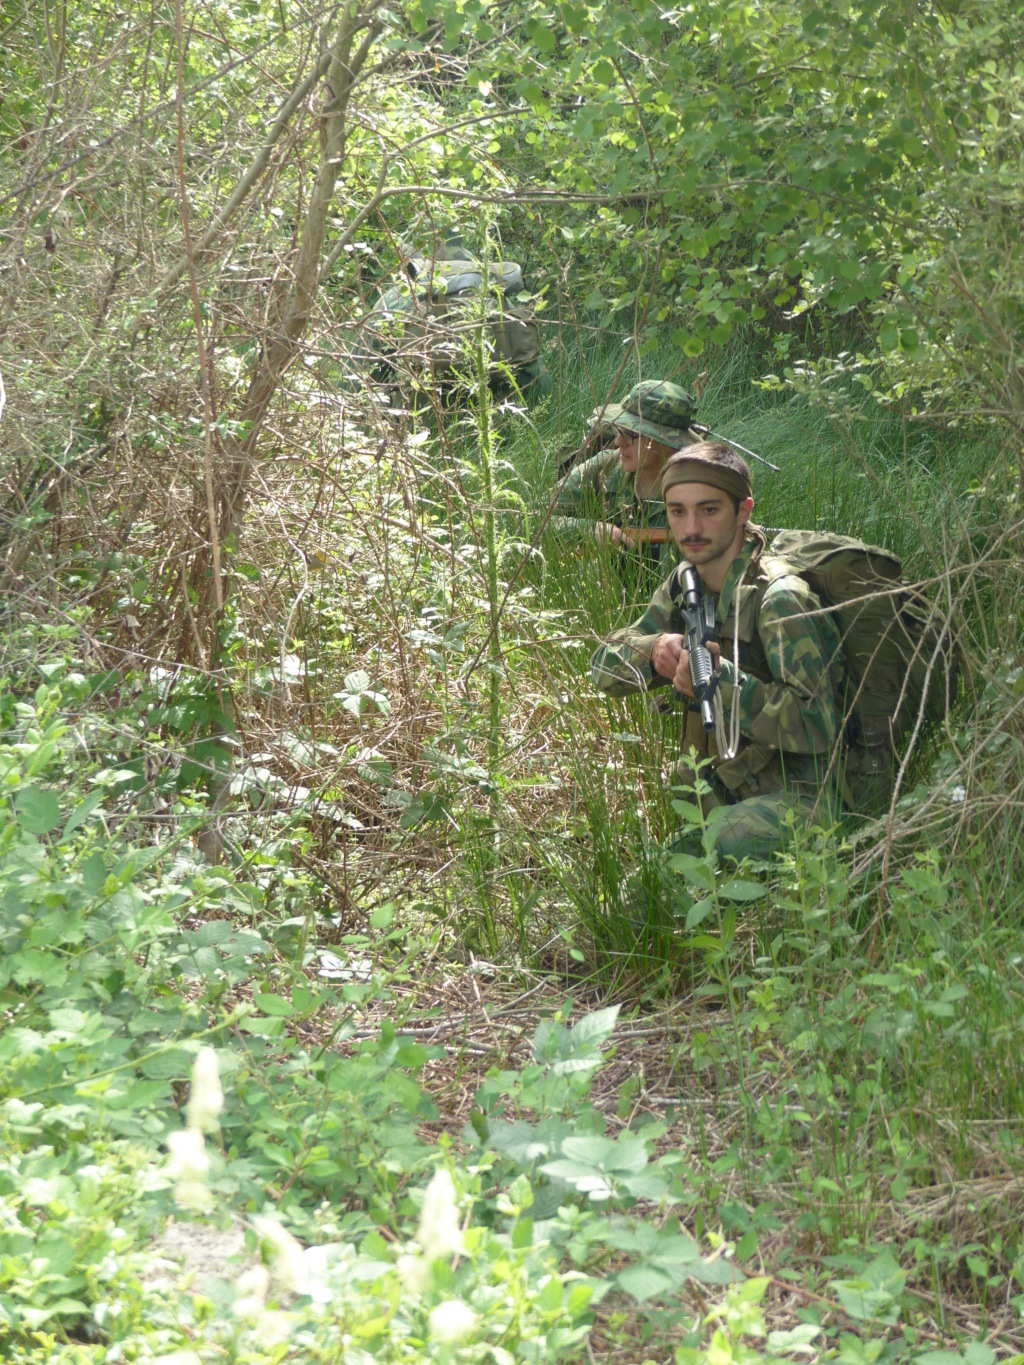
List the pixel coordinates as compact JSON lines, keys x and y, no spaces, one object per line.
{"x":550,"y":1297}
{"x":173,"y":1065}
{"x":81,"y":813}
{"x":796,"y":1340}
{"x":627,"y":1153}
{"x":522,"y":1234}
{"x":412,"y":1055}
{"x":699,"y":912}
{"x":739,"y":889}
{"x":752,"y":1290}
{"x":274,"y":1005}
{"x":383,"y":916}
{"x":747,"y":1245}
{"x":866,"y":1302}
{"x":595,"y":1028}
{"x":357,"y":681}
{"x":453,"y":21}
{"x":33,"y":965}
{"x":977,"y":1353}
{"x":643,"y":1282}
{"x":688,"y":811}
{"x":37,"y":810}
{"x":423,"y":808}
{"x":695,"y":871}
{"x":141,"y":1095}
{"x":694,"y":345}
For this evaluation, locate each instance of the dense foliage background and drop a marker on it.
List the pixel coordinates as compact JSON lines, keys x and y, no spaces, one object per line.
{"x":300,"y":761}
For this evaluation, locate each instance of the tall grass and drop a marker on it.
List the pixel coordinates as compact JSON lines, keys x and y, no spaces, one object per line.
{"x":893,"y":1004}
{"x":855,"y":467}
{"x":852,"y":1069}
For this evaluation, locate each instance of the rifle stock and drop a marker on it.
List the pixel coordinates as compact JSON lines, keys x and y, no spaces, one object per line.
{"x":645,"y":535}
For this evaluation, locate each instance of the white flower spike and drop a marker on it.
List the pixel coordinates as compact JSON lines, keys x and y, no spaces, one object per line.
{"x":206,"y":1098}
{"x":287,"y":1265}
{"x":451,"y":1321}
{"x":251,"y":1289}
{"x":439,"y":1232}
{"x":189,"y":1165}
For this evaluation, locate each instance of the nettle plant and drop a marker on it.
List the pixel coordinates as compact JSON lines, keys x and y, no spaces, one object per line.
{"x":498,"y":1258}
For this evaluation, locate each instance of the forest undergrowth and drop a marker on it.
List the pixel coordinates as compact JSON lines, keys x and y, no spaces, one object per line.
{"x":513,"y":1100}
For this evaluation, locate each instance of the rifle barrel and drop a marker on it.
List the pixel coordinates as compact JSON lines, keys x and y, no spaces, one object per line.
{"x":704,"y":430}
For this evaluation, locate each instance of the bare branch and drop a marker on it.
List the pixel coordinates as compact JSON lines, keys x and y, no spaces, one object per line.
{"x":246,"y":183}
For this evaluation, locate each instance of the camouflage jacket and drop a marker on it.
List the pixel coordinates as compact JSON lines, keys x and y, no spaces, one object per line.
{"x":599,"y":489}
{"x":789,"y":683}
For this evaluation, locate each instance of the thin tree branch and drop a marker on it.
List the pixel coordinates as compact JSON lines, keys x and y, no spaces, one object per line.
{"x":204,"y":368}
{"x":244,"y":185}
{"x":166,"y":106}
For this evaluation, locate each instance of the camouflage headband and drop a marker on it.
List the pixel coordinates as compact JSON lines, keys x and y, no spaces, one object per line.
{"x":686,"y":468}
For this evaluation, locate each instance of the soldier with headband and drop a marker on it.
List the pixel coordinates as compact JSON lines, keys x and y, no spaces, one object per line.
{"x":778,"y":656}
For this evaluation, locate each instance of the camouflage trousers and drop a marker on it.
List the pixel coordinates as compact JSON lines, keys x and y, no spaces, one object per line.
{"x":753,"y":820}
{"x":757,"y":826}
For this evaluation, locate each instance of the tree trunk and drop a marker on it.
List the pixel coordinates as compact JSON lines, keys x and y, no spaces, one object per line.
{"x":283,"y":341}
{"x":232,"y":474}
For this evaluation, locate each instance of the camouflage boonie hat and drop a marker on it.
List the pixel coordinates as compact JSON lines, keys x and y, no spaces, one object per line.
{"x":653,"y":408}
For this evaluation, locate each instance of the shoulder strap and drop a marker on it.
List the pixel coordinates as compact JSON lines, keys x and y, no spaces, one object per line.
{"x":775,"y":566}
{"x":674,"y":584}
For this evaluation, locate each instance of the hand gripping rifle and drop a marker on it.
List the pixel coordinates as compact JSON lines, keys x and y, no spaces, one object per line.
{"x":697,"y":607}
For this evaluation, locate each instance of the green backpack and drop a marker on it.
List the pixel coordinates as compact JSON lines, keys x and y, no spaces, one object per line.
{"x":897,"y":649}
{"x":427,"y":318}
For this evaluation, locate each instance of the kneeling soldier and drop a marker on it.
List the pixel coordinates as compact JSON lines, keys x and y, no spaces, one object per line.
{"x":779,"y":657}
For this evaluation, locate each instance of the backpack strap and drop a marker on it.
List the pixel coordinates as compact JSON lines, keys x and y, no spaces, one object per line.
{"x":774,"y":567}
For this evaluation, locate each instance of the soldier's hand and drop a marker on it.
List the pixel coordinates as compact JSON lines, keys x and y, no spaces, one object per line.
{"x":607,"y":530}
{"x":681,"y":679}
{"x":665,"y":654}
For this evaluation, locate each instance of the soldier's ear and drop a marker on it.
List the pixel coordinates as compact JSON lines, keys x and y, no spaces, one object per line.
{"x":746,"y":508}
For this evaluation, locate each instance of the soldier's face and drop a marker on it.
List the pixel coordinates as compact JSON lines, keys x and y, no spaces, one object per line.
{"x":704,"y":521}
{"x":640,"y":452}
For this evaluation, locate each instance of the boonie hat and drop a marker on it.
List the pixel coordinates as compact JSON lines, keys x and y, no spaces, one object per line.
{"x":655,"y":408}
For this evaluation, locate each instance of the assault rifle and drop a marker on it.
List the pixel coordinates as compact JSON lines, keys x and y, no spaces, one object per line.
{"x":697,"y":608}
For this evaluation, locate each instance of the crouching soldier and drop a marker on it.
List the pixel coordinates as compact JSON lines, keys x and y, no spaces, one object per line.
{"x":777,"y":654}
{"x":615,"y":495}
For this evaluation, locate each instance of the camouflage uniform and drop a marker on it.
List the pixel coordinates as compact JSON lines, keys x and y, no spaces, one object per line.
{"x":789,"y":684}
{"x":425,"y":317}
